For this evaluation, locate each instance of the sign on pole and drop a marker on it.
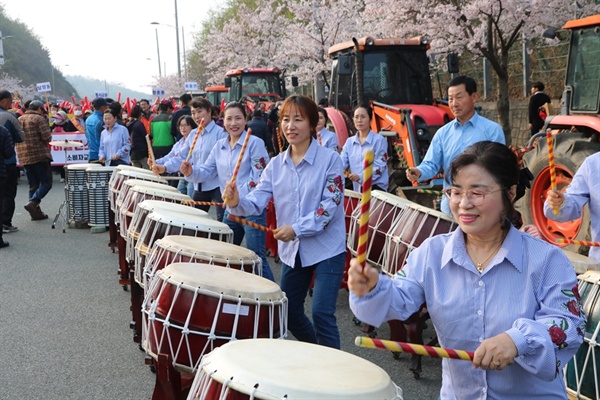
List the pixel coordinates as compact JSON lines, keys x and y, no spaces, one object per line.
{"x":159,"y":92}
{"x":43,"y":87}
{"x":101,"y":93}
{"x":191,"y":86}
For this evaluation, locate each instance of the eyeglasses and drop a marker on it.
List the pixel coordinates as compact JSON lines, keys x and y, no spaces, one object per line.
{"x":474,"y":196}
{"x":183,"y":125}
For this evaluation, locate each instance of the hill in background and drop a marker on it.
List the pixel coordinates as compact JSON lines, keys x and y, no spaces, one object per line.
{"x":87,"y":87}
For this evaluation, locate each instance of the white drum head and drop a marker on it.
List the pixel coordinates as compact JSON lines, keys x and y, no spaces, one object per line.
{"x":582,"y":263}
{"x":226,"y":281}
{"x":151,"y":184}
{"x":209,"y":249}
{"x":392,"y":199}
{"x":151,"y":205}
{"x":191,"y":221}
{"x":274,"y":366}
{"x":353,"y":194}
{"x":83,"y":166}
{"x":138,"y":170}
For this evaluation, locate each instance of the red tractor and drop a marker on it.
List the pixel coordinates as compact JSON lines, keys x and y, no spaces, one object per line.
{"x":392,"y":74}
{"x":217,"y":95}
{"x":576,"y":133}
{"x":254,"y":85}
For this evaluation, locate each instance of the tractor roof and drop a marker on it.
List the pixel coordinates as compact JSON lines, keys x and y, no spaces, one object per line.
{"x":368,"y":41}
{"x":583,"y":22}
{"x":216,"y":88}
{"x":240,"y":71}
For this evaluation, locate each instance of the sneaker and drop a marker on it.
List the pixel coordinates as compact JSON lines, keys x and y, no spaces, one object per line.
{"x":9,"y":229}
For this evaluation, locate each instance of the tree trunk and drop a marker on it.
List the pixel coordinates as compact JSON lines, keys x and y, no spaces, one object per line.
{"x":503,"y":107}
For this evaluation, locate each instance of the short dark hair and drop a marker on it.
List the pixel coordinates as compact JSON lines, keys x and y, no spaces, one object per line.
{"x":201,"y":102}
{"x":324,"y":112}
{"x":470,"y":84}
{"x":112,"y":112}
{"x":235,"y":104}
{"x":499,"y":161}
{"x":5,"y":94}
{"x":538,"y":85}
{"x":366,"y":106}
{"x":306,"y":107}
{"x":190,"y":121}
{"x":185,"y":98}
{"x":136,"y":111}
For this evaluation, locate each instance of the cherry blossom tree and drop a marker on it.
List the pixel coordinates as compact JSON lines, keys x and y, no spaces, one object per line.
{"x":15,"y":86}
{"x":487,"y":28}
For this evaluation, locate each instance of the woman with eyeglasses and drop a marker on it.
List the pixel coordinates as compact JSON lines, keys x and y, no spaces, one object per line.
{"x":489,"y":288}
{"x":355,"y":147}
{"x":306,"y":184}
{"x":221,"y":163}
{"x":172,"y":161}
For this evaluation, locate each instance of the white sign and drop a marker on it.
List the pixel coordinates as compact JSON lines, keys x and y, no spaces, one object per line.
{"x":43,"y":87}
{"x":158,"y":92}
{"x":102,"y":93}
{"x":191,"y":86}
{"x":74,"y":155}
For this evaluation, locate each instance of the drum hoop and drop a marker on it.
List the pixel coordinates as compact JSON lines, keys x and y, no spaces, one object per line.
{"x":190,"y":221}
{"x":178,"y":242}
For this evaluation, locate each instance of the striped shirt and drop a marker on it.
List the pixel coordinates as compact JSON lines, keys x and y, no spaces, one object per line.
{"x":353,"y":155}
{"x":309,"y":197}
{"x":206,"y":141}
{"x":34,"y":148}
{"x":328,"y":139}
{"x":529,"y":291}
{"x":115,"y":142}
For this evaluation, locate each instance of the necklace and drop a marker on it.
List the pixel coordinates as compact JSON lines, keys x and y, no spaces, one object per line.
{"x":479,"y":265}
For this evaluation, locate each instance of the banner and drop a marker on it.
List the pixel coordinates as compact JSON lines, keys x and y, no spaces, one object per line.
{"x":74,"y":155}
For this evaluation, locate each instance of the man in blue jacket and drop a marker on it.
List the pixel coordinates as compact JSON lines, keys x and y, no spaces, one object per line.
{"x":94,"y":126}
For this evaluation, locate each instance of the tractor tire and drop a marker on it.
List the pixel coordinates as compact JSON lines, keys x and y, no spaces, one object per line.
{"x":570,"y":150}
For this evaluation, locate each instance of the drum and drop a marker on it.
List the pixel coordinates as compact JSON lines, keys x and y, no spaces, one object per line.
{"x":121,"y":175}
{"x":414,"y":225}
{"x":581,"y":263}
{"x":141,"y":212}
{"x":582,"y":373}
{"x":172,"y":249}
{"x":190,"y":309}
{"x":134,"y":192}
{"x":97,"y":179}
{"x":351,"y":202}
{"x":77,"y":192}
{"x":385,"y":209}
{"x":287,"y":369}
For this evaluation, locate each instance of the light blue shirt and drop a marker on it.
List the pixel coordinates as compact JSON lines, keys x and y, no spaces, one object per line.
{"x":328,"y":139}
{"x":212,"y":133}
{"x":222,"y":160}
{"x":115,"y":142}
{"x":309,"y":197}
{"x":353,"y":158}
{"x":527,"y":291}
{"x":451,"y":140}
{"x":172,"y":161}
{"x":584,"y":189}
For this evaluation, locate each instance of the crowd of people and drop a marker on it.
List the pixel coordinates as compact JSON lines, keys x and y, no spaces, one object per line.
{"x":466,"y":278}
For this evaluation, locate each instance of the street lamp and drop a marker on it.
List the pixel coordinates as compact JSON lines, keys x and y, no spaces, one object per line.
{"x":158,"y":53}
{"x":176,"y":37}
{"x":2,"y":48}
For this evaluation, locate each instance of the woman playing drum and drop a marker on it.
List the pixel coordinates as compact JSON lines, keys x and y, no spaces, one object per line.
{"x":488,"y":287}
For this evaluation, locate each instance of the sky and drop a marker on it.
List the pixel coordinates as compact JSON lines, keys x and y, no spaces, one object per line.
{"x":113,"y":40}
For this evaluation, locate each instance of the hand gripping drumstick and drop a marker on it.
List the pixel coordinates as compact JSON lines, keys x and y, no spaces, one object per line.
{"x":365,"y":205}
{"x":579,"y":242}
{"x":550,"y":142}
{"x":249,"y":223}
{"x":422,"y":350}
{"x":239,"y":161}
{"x":196,"y":136}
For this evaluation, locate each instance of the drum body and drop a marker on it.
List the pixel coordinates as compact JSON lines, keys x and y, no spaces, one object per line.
{"x":121,"y":175}
{"x":172,"y":249}
{"x":581,"y":263}
{"x":384,"y":211}
{"x":582,"y":373}
{"x":77,"y":192}
{"x":190,"y":309}
{"x":142,"y":210}
{"x":413,"y":226}
{"x":97,"y":179}
{"x":351,"y":202}
{"x":268,"y":369}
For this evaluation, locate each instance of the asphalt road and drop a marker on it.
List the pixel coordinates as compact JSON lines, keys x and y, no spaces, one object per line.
{"x":64,"y":320}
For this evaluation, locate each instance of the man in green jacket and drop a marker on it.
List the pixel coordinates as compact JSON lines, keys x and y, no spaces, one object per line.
{"x":160,"y":130}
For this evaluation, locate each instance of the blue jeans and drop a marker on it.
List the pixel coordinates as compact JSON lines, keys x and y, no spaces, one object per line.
{"x":39,"y":176}
{"x":256,"y":240}
{"x":295,"y":282}
{"x":186,"y":187}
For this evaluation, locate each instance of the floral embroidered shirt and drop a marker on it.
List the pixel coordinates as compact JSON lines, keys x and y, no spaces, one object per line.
{"x":529,"y":290}
{"x":353,"y":158}
{"x":223,"y":158}
{"x":309,"y":197}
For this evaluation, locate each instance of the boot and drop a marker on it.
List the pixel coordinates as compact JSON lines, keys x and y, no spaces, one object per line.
{"x":33,"y":207}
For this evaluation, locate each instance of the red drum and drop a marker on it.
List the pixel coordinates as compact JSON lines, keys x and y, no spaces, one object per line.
{"x":287,"y":369}
{"x":134,"y":192}
{"x":414,"y":225}
{"x":351,"y":202}
{"x":190,"y":309}
{"x":172,"y":249}
{"x":121,"y":175}
{"x":385,"y":210}
{"x":141,"y":212}
{"x":582,"y":373}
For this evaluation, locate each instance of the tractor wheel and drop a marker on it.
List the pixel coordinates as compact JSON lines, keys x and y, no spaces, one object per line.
{"x":570,"y":150}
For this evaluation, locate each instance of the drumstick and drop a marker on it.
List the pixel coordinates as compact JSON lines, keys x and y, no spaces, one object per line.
{"x":239,"y":161}
{"x":365,"y":205}
{"x":202,"y":203}
{"x":249,"y":223}
{"x":429,"y":191}
{"x":422,"y":350}
{"x":279,"y":140}
{"x":550,"y":142}
{"x":198,"y":131}
{"x":346,"y":174}
{"x":579,"y":242}
{"x":150,"y":151}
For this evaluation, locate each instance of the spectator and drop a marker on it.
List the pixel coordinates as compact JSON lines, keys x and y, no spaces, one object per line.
{"x":160,"y":130}
{"x":184,"y":100}
{"x":94,"y":126}
{"x":450,"y":140}
{"x":7,"y":151}
{"x":7,"y":201}
{"x":538,"y":102}
{"x":147,"y":114}
{"x":261,"y":130}
{"x":34,"y":155}
{"x":137,"y":134}
{"x":326,"y":137}
{"x":76,"y":123}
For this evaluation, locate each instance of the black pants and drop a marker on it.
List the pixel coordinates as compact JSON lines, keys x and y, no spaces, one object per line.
{"x":7,"y":200}
{"x":2,"y":186}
